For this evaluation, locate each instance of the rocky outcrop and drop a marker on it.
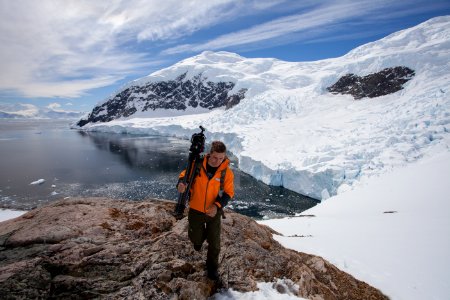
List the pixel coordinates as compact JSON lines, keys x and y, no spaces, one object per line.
{"x":100,"y":248}
{"x":387,"y":81}
{"x":177,"y":94}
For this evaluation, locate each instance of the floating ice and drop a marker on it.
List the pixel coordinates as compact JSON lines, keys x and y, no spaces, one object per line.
{"x":39,"y":181}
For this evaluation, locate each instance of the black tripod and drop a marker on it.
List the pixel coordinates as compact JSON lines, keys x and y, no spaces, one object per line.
{"x":197,"y":147}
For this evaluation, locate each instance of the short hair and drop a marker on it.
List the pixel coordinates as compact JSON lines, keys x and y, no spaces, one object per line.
{"x":218,"y":146}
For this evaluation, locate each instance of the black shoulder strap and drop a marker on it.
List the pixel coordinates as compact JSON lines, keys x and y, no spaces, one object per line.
{"x":199,"y":165}
{"x":222,"y":181}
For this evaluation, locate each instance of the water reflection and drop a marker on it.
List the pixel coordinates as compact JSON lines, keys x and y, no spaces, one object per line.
{"x":147,"y":153}
{"x":118,"y":166}
{"x":162,"y":158}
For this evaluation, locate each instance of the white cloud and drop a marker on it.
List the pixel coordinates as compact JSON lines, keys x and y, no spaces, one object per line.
{"x":58,"y":107}
{"x":318,"y":20}
{"x":54,"y":106}
{"x":64,"y":48}
{"x":57,"y":49}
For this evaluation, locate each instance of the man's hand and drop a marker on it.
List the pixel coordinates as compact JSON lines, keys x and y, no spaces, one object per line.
{"x":211,"y":211}
{"x":181,"y":187}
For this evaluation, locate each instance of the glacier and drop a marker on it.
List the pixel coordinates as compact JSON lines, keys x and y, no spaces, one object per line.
{"x":290,"y":131}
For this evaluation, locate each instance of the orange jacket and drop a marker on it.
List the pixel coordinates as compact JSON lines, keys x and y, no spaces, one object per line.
{"x":204,"y":192}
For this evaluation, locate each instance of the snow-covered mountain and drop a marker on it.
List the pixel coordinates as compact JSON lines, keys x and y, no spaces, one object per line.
{"x":297,"y":124}
{"x":30,"y":111}
{"x":167,"y":97}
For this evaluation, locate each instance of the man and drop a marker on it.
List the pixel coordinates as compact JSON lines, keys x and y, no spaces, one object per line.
{"x":207,"y":201}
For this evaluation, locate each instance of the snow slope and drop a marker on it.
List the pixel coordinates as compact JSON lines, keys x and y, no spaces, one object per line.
{"x":391,"y":231}
{"x":290,"y":131}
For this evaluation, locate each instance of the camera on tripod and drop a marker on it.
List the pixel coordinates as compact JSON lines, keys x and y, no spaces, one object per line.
{"x":197,"y":147}
{"x":197,"y":142}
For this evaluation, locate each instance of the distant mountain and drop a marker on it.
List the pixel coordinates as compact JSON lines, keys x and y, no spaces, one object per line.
{"x":184,"y":89}
{"x":53,"y":114}
{"x":312,"y":127}
{"x":213,"y":80}
{"x":29,"y":111}
{"x":4,"y":115}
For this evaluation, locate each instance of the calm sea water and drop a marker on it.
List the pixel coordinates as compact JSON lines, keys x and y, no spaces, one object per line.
{"x":75,"y":163}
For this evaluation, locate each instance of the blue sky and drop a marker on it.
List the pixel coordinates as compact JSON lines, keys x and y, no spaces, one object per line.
{"x":72,"y":54}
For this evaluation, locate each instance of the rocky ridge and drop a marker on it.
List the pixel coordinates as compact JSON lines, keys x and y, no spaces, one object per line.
{"x":112,"y":249}
{"x":177,"y":94}
{"x":385,"y":82}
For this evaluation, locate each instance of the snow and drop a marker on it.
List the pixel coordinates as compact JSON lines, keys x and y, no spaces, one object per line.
{"x":39,"y":181}
{"x":7,"y":214}
{"x":267,"y":291}
{"x":382,"y":164}
{"x":290,"y":131}
{"x":391,"y":231}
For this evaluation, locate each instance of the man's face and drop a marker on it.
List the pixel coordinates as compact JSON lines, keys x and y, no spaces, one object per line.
{"x":215,"y":159}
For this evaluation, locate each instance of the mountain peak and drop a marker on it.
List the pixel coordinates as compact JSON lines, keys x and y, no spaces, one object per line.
{"x":211,"y":57}
{"x":406,"y":73}
{"x":426,"y":34}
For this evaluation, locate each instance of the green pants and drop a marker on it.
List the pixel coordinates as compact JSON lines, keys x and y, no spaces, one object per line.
{"x":203,"y":227}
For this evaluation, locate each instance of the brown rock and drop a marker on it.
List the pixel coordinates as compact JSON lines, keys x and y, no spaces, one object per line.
{"x":101,"y":248}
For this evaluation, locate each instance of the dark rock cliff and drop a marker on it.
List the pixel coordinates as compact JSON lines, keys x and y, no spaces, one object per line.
{"x":387,"y":81}
{"x":177,"y":94}
{"x":100,"y":248}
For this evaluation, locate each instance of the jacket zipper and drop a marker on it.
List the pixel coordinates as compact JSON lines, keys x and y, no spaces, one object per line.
{"x":207,"y":185}
{"x":206,"y":195}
